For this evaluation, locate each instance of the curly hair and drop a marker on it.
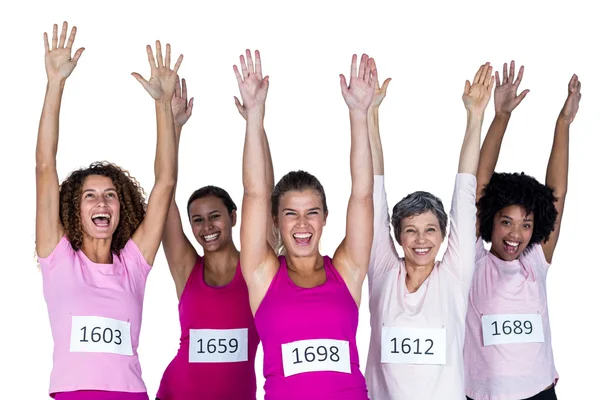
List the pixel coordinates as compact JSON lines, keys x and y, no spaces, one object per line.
{"x":510,"y":189}
{"x":131,"y":198}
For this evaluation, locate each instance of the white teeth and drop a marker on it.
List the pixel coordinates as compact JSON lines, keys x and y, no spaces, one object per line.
{"x":101,"y":215}
{"x":302,"y":235}
{"x":421,"y":251}
{"x":211,"y":237}
{"x":514,"y":244}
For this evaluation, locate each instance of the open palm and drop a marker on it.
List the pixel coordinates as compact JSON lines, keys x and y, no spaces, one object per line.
{"x":359,"y":94}
{"x":569,"y":110}
{"x":253,"y":87}
{"x":505,"y":95}
{"x":477,"y":95}
{"x":59,"y":63}
{"x":161,"y":85}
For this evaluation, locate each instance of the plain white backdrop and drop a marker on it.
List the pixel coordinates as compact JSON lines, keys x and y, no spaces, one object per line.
{"x":428,"y":48}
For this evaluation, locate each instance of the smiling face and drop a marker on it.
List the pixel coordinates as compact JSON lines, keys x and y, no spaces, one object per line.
{"x":99,"y":207}
{"x":420,"y":237}
{"x":211,"y":223}
{"x":511,"y":233}
{"x":300,"y":220}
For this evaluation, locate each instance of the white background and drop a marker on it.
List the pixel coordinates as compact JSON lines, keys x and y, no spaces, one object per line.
{"x":428,"y":48}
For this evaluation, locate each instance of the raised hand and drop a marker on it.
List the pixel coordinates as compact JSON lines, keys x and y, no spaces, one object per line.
{"x":253,"y":87}
{"x":161,"y":85}
{"x":380,"y":92}
{"x":359,"y":94}
{"x":182,"y":110}
{"x":59,"y":63}
{"x":569,"y":110}
{"x":505,"y":95}
{"x":477,"y":95}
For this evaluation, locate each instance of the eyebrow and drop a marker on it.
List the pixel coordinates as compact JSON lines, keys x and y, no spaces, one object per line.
{"x":310,"y":209}
{"x":524,"y":219}
{"x":104,"y":190}
{"x":211,"y":212}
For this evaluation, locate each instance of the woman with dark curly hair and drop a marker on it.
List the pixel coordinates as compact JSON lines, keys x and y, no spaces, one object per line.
{"x":508,"y":349}
{"x":418,"y":305}
{"x":96,"y":242}
{"x":218,"y":337}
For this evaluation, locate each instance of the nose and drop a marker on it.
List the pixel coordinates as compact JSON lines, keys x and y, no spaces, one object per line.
{"x":302,"y":221}
{"x":515,"y":232}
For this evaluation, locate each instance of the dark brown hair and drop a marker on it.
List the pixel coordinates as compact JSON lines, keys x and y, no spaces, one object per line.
{"x":131,"y":199}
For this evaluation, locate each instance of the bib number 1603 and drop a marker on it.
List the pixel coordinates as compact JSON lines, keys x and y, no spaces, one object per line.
{"x":100,"y":335}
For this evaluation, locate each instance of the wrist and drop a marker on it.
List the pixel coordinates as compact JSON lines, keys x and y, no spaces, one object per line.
{"x":358,"y":113}
{"x":475,"y":116}
{"x":563,"y":121}
{"x":55,"y":83}
{"x":502,"y":114}
{"x":256,"y":112}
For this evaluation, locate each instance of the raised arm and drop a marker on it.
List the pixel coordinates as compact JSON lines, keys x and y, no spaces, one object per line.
{"x":180,"y":253}
{"x":476,"y":98}
{"x":558,"y":165}
{"x":352,"y":256}
{"x":505,"y":101}
{"x":373,"y":124}
{"x":161,"y":87}
{"x":383,"y":253}
{"x":460,"y":255}
{"x":269,"y":172}
{"x":258,"y":261}
{"x":59,"y":65}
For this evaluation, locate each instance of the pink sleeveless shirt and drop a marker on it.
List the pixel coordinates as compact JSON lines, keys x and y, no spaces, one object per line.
{"x":309,"y":339}
{"x":216,"y":356}
{"x":95,"y":315}
{"x":508,"y":343}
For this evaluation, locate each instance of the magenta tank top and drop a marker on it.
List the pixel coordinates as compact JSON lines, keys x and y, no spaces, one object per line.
{"x":218,"y":344}
{"x":99,"y":395}
{"x":309,"y":339}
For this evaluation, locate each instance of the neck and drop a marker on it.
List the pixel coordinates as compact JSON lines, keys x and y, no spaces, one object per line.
{"x":97,"y":250}
{"x":416,"y":275}
{"x":223,"y":260}
{"x":304,"y":265}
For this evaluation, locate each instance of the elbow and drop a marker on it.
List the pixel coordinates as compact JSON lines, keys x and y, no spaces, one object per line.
{"x":42,"y":167}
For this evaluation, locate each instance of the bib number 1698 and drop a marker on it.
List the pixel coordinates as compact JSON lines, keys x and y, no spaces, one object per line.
{"x":315,"y":355}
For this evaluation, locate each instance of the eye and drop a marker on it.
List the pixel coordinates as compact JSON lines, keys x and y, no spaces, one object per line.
{"x":430,"y":229}
{"x":198,"y":220}
{"x":290,"y":213}
{"x":527,"y":226}
{"x":409,"y":230}
{"x":111,"y":195}
{"x":89,"y":195}
{"x":214,"y":216}
{"x":505,"y":222}
{"x":313,"y":212}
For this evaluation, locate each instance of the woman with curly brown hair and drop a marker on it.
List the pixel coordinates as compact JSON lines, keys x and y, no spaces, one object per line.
{"x":96,"y":242}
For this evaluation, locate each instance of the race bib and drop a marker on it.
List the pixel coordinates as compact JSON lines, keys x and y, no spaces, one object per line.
{"x":413,"y":345}
{"x":100,"y":335}
{"x":218,"y":345}
{"x":315,"y":355}
{"x":512,"y":328}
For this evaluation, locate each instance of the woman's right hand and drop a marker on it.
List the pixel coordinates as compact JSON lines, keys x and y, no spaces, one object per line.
{"x":477,"y":95}
{"x":59,"y":63}
{"x":253,"y":87}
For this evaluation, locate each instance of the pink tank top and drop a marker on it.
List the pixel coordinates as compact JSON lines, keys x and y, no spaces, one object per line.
{"x":218,"y":345}
{"x":309,"y":339}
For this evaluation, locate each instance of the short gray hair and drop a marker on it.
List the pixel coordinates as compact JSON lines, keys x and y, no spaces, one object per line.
{"x":415,"y":204}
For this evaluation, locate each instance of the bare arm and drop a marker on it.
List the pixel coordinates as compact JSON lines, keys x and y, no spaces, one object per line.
{"x":180,"y":253}
{"x":558,"y":166}
{"x":373,"y":125}
{"x":59,"y":66}
{"x":268,"y":172}
{"x":505,"y":101}
{"x":258,"y":261}
{"x":352,"y":256}
{"x":161,"y":87}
